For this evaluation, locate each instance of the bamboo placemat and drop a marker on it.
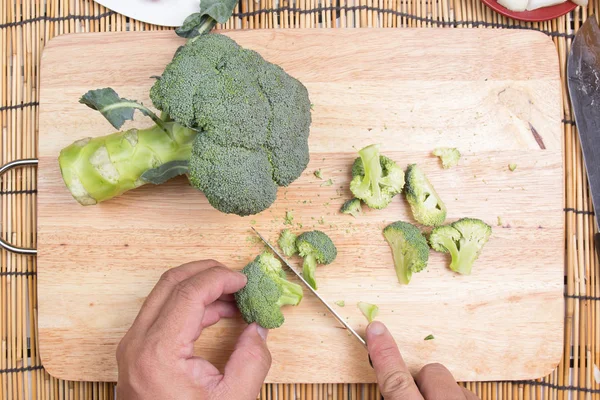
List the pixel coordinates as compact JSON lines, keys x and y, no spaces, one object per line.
{"x":26,"y":26}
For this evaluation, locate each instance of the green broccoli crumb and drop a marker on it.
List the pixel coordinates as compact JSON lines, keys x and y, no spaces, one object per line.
{"x":328,"y":182}
{"x":289,"y":218}
{"x":340,"y":303}
{"x":321,"y":221}
{"x":500,"y":221}
{"x":253,"y":222}
{"x":318,"y":174}
{"x":512,"y":166}
{"x":429,"y":337}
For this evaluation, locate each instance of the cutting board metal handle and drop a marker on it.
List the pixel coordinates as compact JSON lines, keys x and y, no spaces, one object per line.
{"x":7,"y":167}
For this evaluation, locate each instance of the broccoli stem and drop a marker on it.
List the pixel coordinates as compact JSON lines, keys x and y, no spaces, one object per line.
{"x":463,"y":259}
{"x":101,"y":168}
{"x":403,"y":272}
{"x":309,"y":266}
{"x":291,"y":293}
{"x":372,"y":166}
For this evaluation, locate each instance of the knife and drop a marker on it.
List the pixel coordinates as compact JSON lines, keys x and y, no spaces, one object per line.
{"x":313,"y":291}
{"x":583,"y":80}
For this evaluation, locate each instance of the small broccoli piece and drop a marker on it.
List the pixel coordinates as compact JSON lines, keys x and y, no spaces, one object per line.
{"x":463,"y":239}
{"x":287,"y":242}
{"x":340,"y":303}
{"x":289,"y":218}
{"x":376,"y":179}
{"x":370,"y":311}
{"x":318,"y":174}
{"x":328,"y":182}
{"x":266,"y":291}
{"x":426,"y":205}
{"x":316,"y":248}
{"x":512,"y":167}
{"x":351,"y":207}
{"x":409,"y":249}
{"x":448,"y":155}
{"x":429,"y":337}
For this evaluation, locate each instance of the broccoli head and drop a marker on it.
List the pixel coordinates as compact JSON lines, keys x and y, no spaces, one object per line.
{"x":376,"y":179}
{"x":287,"y":242}
{"x":463,"y":239}
{"x":316,"y":248}
{"x":448,"y":155}
{"x":266,"y":291}
{"x":426,"y":205}
{"x":351,"y":207}
{"x":409,"y":249}
{"x":244,"y":107}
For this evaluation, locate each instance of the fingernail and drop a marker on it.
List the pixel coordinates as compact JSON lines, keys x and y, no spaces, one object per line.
{"x":262,"y":332}
{"x":376,"y":328}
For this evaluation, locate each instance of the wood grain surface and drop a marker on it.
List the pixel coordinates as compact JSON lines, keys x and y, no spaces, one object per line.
{"x":493,"y":94}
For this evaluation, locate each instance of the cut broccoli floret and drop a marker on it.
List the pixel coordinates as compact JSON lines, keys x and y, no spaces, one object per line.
{"x":266,"y":291}
{"x":463,"y":239}
{"x":409,"y":249}
{"x":376,"y":179}
{"x":316,"y":248}
{"x":370,"y":311}
{"x":426,"y":205}
{"x":448,"y":155}
{"x":287,"y":243}
{"x":351,"y":207}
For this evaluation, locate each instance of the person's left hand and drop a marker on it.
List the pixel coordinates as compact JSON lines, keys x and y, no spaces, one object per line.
{"x":156,"y":357}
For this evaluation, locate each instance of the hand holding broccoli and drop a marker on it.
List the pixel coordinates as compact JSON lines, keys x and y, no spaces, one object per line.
{"x":156,"y":357}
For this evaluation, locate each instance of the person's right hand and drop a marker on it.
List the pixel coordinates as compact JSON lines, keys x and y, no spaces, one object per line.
{"x":433,"y":382}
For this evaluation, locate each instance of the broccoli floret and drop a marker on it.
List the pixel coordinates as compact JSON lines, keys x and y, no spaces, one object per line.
{"x":376,"y":179}
{"x":463,"y":239}
{"x":351,"y":207}
{"x":266,"y":291}
{"x":448,"y":155}
{"x":370,"y":311}
{"x":426,"y":205}
{"x":242,"y":105}
{"x":316,"y":248}
{"x":409,"y":249}
{"x":287,"y":242}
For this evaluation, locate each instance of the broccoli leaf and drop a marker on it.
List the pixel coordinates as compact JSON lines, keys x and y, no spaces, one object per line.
{"x":211,"y":13}
{"x":370,"y":311}
{"x":160,"y":175}
{"x":116,"y":109}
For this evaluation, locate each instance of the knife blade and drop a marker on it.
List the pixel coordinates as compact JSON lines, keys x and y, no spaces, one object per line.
{"x":313,"y":291}
{"x":583,"y":80}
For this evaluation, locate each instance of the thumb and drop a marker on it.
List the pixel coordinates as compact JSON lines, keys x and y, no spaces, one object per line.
{"x":249,"y":363}
{"x":393,"y":377}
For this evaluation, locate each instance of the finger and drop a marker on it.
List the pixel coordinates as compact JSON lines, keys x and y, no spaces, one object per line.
{"x":393,"y":377}
{"x":227,"y":297}
{"x":217,"y":310}
{"x":249,"y":363}
{"x":179,"y":322}
{"x":164,"y":287}
{"x":469,"y":395}
{"x":437,"y":383}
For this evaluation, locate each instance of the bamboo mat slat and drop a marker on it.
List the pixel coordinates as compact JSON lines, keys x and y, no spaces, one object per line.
{"x":27,"y":25}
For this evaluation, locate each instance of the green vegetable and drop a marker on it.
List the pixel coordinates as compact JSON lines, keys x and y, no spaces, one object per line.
{"x":512,"y":167}
{"x":287,"y":242}
{"x":429,"y":337}
{"x":316,"y":248}
{"x":448,"y":155}
{"x":289,"y":218}
{"x":266,"y":291}
{"x":340,"y":303}
{"x":318,"y":174}
{"x":409,"y":249}
{"x":328,"y":182}
{"x":253,"y":117}
{"x":351,"y":207}
{"x":376,"y":179}
{"x":426,"y":205}
{"x":499,"y":221}
{"x":370,"y":311}
{"x":463,"y":239}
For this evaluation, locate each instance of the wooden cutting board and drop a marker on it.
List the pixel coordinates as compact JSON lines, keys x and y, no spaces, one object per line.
{"x":493,"y":94}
